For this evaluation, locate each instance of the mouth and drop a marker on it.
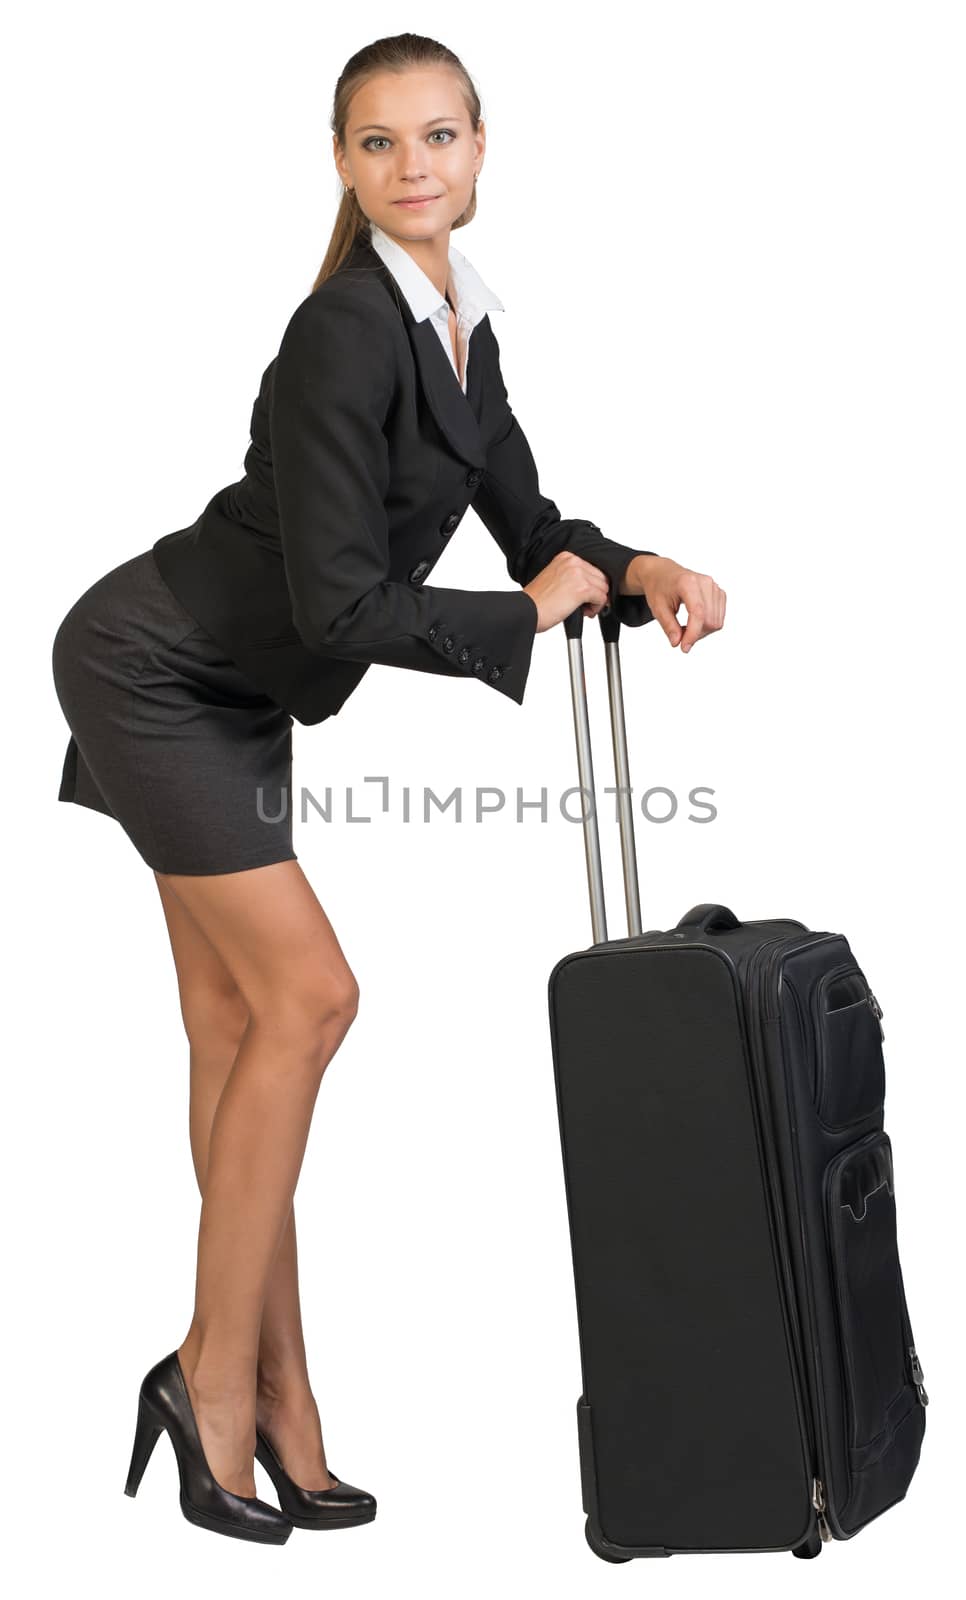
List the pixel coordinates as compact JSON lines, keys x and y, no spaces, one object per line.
{"x":418,"y":200}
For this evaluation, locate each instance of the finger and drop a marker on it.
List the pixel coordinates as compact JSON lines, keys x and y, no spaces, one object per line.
{"x":662,"y":613}
{"x":694,"y":629}
{"x":699,"y":598}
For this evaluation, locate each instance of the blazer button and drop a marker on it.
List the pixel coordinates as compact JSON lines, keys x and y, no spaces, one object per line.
{"x":473,"y":477}
{"x":452,"y":522}
{"x":479,"y":663}
{"x":419,"y":572}
{"x":449,"y":643}
{"x":464,"y":654}
{"x":494,"y":673}
{"x":433,"y":631}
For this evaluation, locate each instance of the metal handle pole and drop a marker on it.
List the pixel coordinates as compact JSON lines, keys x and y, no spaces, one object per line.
{"x":585,"y":767}
{"x":625,"y":811}
{"x":610,"y":630}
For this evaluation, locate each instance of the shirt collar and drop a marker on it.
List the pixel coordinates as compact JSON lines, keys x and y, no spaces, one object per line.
{"x":470,"y":295}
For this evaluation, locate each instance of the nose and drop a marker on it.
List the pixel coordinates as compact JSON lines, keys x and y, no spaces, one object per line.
{"x":412,"y":162}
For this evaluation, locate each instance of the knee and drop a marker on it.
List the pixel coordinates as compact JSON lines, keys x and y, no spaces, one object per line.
{"x":313,"y":1013}
{"x":334,"y":1005}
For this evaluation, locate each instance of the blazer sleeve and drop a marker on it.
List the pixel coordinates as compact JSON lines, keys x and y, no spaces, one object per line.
{"x":332,"y":388}
{"x":527,"y":525}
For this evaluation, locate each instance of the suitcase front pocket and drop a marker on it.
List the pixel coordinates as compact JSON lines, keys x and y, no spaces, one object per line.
{"x":850,"y":1069}
{"x":884,"y":1395}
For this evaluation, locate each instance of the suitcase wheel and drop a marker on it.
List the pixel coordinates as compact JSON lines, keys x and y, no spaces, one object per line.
{"x":809,"y":1547}
{"x":605,"y":1555}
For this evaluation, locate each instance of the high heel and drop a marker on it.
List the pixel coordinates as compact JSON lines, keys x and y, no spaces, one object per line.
{"x":164,"y":1404}
{"x":343,"y":1506}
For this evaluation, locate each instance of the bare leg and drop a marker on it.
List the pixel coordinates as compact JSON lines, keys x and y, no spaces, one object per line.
{"x":285,"y":1407}
{"x":215,"y":1018}
{"x":275,"y":1002}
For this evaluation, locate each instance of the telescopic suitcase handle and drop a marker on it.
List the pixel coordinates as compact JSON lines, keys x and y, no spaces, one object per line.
{"x":610,"y":629}
{"x":707,"y":917}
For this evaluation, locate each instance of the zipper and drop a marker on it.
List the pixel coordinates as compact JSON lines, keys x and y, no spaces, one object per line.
{"x":873,"y":1002}
{"x":915,"y":1365}
{"x":818,"y":1501}
{"x":917,"y":1375}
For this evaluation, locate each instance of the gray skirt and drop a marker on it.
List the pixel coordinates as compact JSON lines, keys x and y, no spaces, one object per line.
{"x":167,"y":735}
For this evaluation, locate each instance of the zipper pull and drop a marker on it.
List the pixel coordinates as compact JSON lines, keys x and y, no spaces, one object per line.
{"x":818,"y":1501}
{"x":917,"y":1375}
{"x":873,"y":1002}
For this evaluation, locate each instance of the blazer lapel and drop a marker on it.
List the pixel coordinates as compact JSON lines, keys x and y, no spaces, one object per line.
{"x":456,"y":414}
{"x":449,"y":405}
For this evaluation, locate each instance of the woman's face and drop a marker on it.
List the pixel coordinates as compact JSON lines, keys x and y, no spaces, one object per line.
{"x":410,"y":134}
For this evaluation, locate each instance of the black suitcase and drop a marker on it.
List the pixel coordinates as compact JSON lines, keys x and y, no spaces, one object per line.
{"x":749,"y":1373}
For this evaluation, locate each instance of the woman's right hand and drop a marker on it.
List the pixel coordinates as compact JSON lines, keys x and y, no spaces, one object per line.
{"x":565,"y":583}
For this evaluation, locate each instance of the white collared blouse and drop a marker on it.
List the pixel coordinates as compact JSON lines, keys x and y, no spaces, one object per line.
{"x":471,"y":297}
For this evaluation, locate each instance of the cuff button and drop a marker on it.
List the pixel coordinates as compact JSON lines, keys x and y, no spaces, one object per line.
{"x":433,"y":631}
{"x":479,"y":663}
{"x":464,"y":654}
{"x":495,"y":673}
{"x":449,"y":643}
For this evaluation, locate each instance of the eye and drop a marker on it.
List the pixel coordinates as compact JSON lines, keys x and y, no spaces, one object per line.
{"x":376,"y":138}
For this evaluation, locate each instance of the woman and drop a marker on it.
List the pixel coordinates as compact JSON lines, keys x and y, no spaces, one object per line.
{"x":383,"y":416}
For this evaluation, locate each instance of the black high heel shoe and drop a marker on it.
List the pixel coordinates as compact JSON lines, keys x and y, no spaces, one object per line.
{"x":164,"y":1403}
{"x":343,"y":1506}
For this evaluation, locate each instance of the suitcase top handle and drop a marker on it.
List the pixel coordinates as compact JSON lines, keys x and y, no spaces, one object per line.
{"x":709,"y":918}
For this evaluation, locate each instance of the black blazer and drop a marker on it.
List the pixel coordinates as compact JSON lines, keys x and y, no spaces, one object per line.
{"x":365,"y":453}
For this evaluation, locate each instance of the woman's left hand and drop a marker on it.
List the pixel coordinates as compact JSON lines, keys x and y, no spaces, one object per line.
{"x":666,"y":585}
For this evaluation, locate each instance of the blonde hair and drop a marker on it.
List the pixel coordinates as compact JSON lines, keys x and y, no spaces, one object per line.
{"x":397,"y":53}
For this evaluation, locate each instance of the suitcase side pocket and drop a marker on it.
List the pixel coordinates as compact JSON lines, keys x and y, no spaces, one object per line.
{"x":850,"y":1076}
{"x":883,"y":1393}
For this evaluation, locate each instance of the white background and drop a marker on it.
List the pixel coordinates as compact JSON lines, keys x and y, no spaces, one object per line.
{"x":748,"y":220}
